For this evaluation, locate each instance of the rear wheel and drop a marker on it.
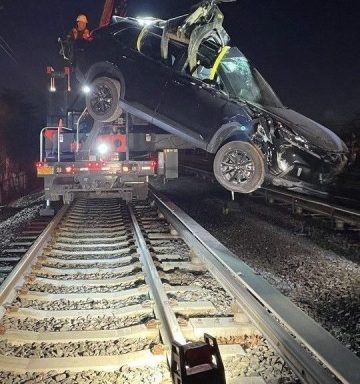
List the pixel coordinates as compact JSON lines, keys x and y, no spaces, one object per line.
{"x":239,"y":167}
{"x":102,"y":101}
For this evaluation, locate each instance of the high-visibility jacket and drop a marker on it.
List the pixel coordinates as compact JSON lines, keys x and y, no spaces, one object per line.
{"x":75,"y":34}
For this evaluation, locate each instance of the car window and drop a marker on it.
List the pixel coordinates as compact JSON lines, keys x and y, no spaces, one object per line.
{"x":150,"y":46}
{"x":176,"y":54}
{"x":203,"y":73}
{"x":206,"y":58}
{"x":244,"y":81}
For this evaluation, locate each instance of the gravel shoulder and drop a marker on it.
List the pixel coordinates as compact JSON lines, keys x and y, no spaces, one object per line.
{"x":316,"y":269}
{"x":15,"y":216}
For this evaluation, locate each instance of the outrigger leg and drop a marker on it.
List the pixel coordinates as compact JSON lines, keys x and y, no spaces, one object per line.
{"x":47,"y":210}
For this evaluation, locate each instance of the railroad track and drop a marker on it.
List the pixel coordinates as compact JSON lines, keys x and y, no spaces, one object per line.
{"x":106,"y":288}
{"x":14,"y":251}
{"x":339,"y":215}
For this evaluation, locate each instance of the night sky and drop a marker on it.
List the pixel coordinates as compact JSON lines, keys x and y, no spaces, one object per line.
{"x":308,"y":50}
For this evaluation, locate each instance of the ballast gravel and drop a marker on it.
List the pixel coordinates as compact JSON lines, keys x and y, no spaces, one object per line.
{"x":126,"y":375}
{"x":95,"y":248}
{"x":49,"y":288}
{"x":209,"y":290}
{"x":12,"y":226}
{"x":260,"y":360}
{"x":88,"y":276}
{"x":76,"y":349}
{"x":90,"y":256}
{"x":64,"y":266}
{"x":63,"y":305}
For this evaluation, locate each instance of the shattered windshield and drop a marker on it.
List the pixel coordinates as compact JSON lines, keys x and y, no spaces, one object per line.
{"x":244,"y":81}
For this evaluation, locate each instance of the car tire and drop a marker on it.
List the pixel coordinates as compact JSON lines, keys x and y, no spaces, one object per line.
{"x":239,"y":167}
{"x":102,"y":102}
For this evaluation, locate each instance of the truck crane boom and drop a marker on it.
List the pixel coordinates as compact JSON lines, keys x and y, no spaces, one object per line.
{"x":109,"y":8}
{"x":107,"y":13}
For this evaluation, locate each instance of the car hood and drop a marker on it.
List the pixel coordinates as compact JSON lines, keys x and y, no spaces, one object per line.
{"x":315,"y":133}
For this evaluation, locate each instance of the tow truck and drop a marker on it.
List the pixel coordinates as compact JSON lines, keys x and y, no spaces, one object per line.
{"x":96,"y":159}
{"x":83,"y":157}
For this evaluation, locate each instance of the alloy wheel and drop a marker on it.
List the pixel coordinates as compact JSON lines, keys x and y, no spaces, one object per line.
{"x":101,"y":99}
{"x":237,"y":167}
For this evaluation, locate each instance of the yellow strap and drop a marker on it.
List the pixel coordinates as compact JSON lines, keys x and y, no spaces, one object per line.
{"x":218,"y":61}
{"x":140,"y":38}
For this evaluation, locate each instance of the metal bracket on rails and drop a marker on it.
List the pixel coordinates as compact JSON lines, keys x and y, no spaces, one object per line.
{"x":198,"y":362}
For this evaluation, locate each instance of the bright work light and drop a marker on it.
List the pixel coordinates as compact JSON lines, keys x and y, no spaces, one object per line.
{"x":146,"y":20}
{"x":103,"y":148}
{"x":86,"y":89}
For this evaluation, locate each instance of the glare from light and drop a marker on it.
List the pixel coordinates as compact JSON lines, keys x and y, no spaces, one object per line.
{"x":103,"y":148}
{"x":86,"y":89}
{"x":52,"y":89}
{"x":300,"y":139}
{"x":145,"y":21}
{"x":283,"y":165}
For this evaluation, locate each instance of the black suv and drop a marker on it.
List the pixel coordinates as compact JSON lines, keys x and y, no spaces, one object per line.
{"x":215,"y":100}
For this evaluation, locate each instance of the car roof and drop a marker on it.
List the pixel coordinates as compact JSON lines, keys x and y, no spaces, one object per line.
{"x":121,"y":23}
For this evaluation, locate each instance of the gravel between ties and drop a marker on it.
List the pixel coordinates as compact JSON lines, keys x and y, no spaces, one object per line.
{"x":126,"y":375}
{"x":76,"y":349}
{"x":79,"y":324}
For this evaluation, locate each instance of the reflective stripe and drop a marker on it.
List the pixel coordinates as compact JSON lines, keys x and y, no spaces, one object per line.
{"x":218,"y":61}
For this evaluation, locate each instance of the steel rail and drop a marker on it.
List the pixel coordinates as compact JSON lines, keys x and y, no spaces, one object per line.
{"x":267,"y":307}
{"x":168,"y":322}
{"x":40,"y":253}
{"x":347,"y":215}
{"x":17,"y":275}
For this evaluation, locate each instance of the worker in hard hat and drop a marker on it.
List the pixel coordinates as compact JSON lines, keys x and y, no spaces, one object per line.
{"x":80,"y":32}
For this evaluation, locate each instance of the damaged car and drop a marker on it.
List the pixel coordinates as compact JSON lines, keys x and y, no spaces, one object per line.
{"x":184,"y":76}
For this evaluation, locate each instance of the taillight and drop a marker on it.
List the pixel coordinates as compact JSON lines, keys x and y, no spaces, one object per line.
{"x":95,"y":166}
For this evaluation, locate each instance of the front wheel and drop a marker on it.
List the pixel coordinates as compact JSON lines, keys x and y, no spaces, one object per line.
{"x":102,"y":102}
{"x":239,"y":167}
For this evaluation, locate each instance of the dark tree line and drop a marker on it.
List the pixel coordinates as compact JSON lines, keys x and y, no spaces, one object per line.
{"x":19,"y":127}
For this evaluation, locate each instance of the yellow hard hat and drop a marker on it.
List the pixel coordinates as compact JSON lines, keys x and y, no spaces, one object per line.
{"x":82,"y":18}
